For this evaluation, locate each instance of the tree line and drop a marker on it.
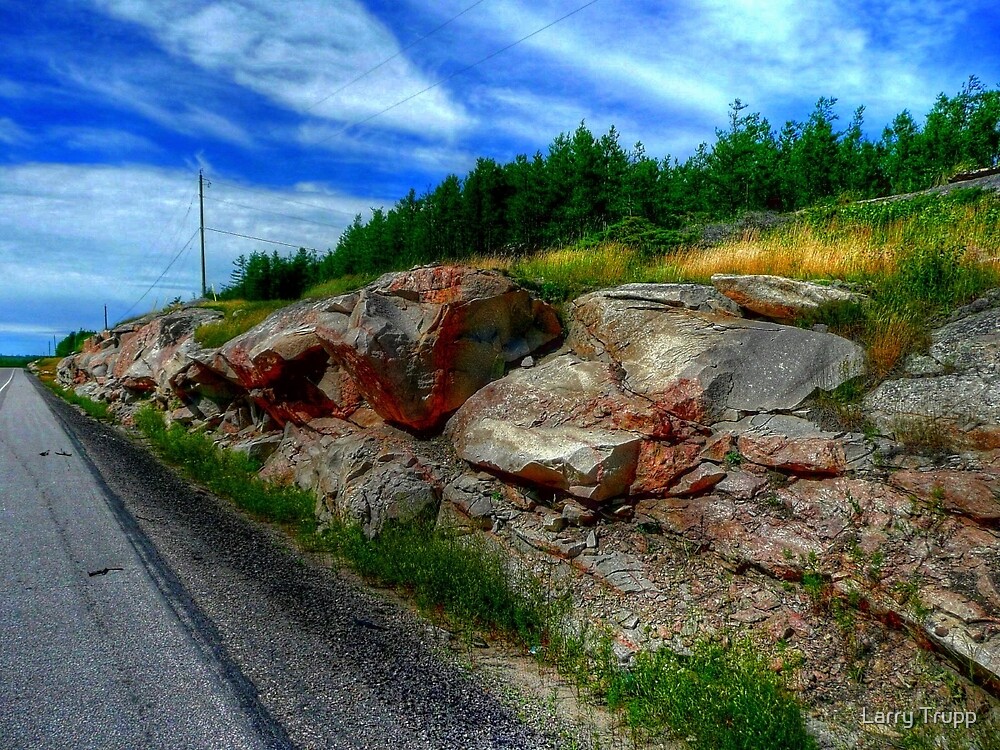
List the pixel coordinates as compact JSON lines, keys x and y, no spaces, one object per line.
{"x":589,"y":187}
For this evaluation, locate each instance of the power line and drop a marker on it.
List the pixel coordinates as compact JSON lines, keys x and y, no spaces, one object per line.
{"x":162,"y":274}
{"x":456,"y":73}
{"x":268,"y":193}
{"x":276,"y":213}
{"x":259,"y":239}
{"x":392,"y":57}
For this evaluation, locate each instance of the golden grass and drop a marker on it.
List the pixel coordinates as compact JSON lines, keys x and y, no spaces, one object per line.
{"x":892,"y":338}
{"x":796,"y":252}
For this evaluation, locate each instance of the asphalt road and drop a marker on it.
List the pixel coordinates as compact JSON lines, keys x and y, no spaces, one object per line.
{"x":137,"y":611}
{"x":92,"y":653}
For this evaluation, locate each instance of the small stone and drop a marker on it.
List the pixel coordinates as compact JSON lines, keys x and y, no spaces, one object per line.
{"x":623,"y":512}
{"x":592,"y":540}
{"x":554,"y":523}
{"x":528,"y":361}
{"x":578,"y":515}
{"x":941,"y":631}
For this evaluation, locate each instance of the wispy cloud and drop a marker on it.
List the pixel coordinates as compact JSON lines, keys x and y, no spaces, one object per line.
{"x":11,"y":133}
{"x":296,"y":54}
{"x":101,"y":235}
{"x":160,"y":100}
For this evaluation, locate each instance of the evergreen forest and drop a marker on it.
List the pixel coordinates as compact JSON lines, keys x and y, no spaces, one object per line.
{"x":588,"y":189}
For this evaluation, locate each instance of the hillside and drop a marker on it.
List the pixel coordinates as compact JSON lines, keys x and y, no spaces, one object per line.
{"x":812,"y":466}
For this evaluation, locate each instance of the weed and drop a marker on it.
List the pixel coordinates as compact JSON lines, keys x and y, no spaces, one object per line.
{"x":925,"y":435}
{"x":720,"y":696}
{"x":340,"y":285}
{"x":240,"y":317}
{"x":815,"y":586}
{"x":908,"y":596}
{"x":733,"y":458}
{"x":227,"y":473}
{"x":855,"y":505}
{"x":99,"y":410}
{"x":875,"y":562}
{"x":465,"y":577}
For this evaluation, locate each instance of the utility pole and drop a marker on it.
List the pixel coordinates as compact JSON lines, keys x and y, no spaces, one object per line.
{"x":105,"y":317}
{"x":201,"y":205}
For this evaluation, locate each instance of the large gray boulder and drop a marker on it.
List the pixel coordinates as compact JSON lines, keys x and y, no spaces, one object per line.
{"x":370,"y":477}
{"x":708,"y":367}
{"x":956,"y":385}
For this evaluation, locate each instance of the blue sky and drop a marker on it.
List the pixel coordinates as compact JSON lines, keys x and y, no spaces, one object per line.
{"x":109,"y":108}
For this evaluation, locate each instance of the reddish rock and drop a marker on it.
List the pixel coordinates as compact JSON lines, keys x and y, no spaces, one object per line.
{"x":152,"y":354}
{"x":706,"y":367}
{"x":569,"y":425}
{"x":700,"y":479}
{"x":970,"y":494}
{"x":789,"y":444}
{"x":413,"y":345}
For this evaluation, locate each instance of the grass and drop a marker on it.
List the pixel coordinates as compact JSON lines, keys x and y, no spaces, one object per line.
{"x":915,"y":259}
{"x":230,"y":474}
{"x":15,"y":361}
{"x":96,"y":409}
{"x":723,"y":696}
{"x":465,"y":578}
{"x":340,"y":285}
{"x":240,"y":317}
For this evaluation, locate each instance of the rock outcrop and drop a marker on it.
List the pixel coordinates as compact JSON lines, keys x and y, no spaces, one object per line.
{"x":955,"y":387}
{"x":708,"y":367}
{"x":778,"y":298}
{"x":666,"y":451}
{"x":144,"y":356}
{"x":570,"y":425}
{"x":414,"y":346}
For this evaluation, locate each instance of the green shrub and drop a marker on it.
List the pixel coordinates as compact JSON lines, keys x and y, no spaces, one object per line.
{"x":96,"y":409}
{"x":467,"y":578}
{"x":230,"y":474}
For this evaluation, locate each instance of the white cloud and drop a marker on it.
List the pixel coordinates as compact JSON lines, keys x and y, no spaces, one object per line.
{"x":389,"y":152}
{"x":692,"y":58}
{"x":11,"y":133}
{"x":109,"y":142}
{"x":79,"y":236}
{"x":157,"y":102}
{"x":297,"y":54}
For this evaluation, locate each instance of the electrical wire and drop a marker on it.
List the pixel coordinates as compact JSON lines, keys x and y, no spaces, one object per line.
{"x":275,"y":213}
{"x":454,"y":74}
{"x":392,"y":57}
{"x":258,"y":239}
{"x":217,"y":181}
{"x":162,"y":274}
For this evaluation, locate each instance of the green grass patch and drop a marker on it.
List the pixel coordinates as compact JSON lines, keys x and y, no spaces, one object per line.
{"x":241,"y":316}
{"x":464,"y":577}
{"x":340,"y":285}
{"x":96,"y":409}
{"x":721,"y":696}
{"x":230,"y":474}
